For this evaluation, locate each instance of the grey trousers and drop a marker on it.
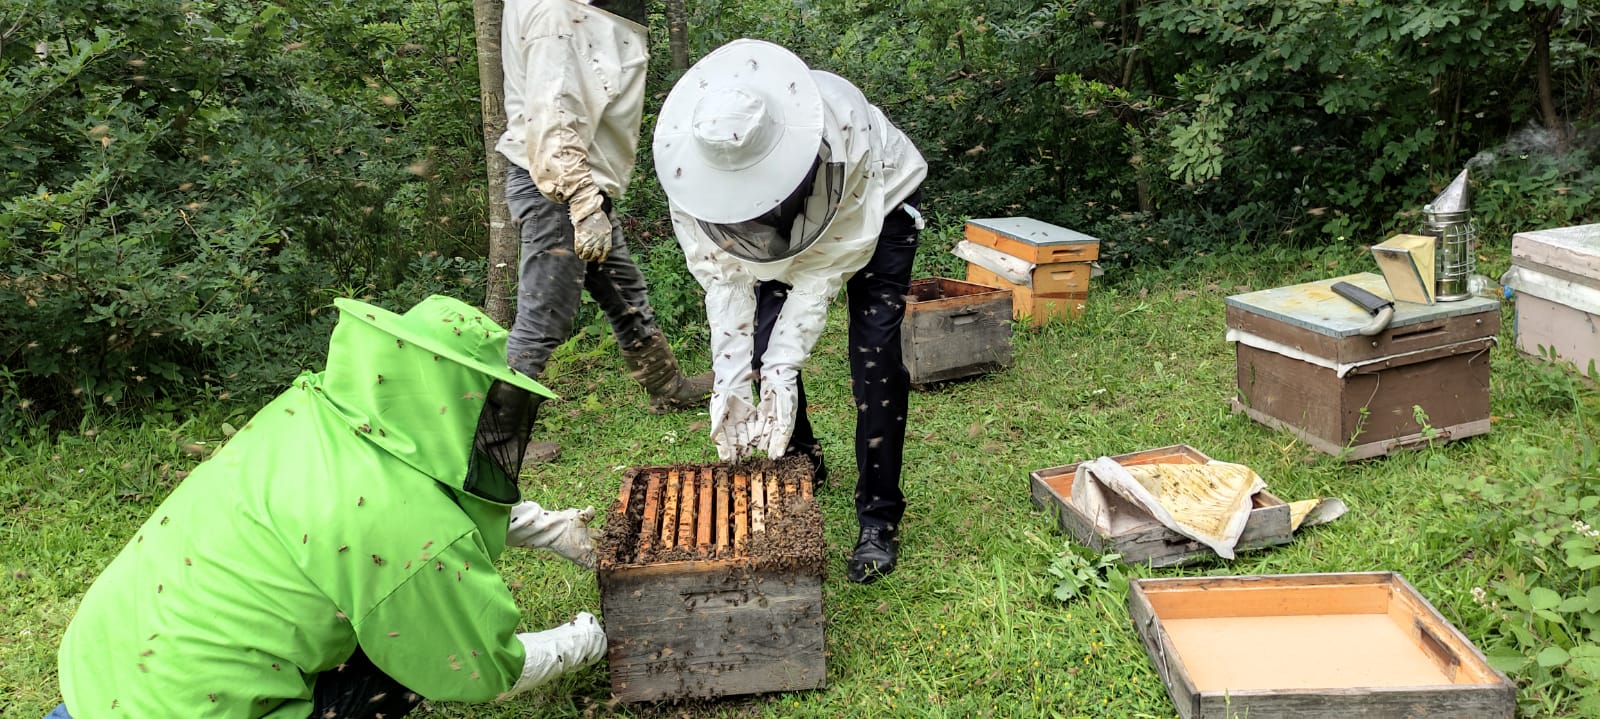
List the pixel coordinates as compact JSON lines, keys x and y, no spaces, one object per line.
{"x":552,"y":279}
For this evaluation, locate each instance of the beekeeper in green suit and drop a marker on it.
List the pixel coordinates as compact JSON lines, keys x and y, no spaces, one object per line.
{"x":334,"y":559}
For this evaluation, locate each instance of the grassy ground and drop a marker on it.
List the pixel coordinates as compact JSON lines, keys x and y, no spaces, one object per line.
{"x":968,"y":626}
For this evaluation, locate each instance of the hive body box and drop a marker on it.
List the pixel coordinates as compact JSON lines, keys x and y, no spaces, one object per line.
{"x":1556,"y":277}
{"x":1135,"y":535}
{"x":1362,"y":644}
{"x":1303,"y":366}
{"x":694,"y":606}
{"x":955,"y":329}
{"x":1059,"y":283}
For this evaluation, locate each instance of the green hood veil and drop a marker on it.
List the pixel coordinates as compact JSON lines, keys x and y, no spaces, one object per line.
{"x":359,"y":507}
{"x":415,"y":385}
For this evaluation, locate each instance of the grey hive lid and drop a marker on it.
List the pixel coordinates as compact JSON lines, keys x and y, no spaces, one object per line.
{"x":1315,"y":307}
{"x":1579,"y":240}
{"x":1456,"y":197}
{"x":1033,"y":232}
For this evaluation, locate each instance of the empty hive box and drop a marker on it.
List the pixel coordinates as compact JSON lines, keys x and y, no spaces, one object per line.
{"x":1057,"y":260}
{"x":955,"y":329}
{"x":1303,"y":365}
{"x":1555,"y":275}
{"x":711,"y":581}
{"x":1137,"y":536}
{"x":1361,"y":644}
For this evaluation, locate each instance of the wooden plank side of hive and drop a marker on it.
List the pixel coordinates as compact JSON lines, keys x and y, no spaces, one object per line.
{"x":707,"y":629}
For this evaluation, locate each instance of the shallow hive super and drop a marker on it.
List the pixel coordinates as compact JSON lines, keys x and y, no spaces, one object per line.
{"x":711,"y":581}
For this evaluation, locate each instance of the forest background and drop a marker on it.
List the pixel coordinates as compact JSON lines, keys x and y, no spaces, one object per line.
{"x":188,"y":185}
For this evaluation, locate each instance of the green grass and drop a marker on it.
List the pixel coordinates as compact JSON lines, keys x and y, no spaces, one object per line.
{"x":968,"y":625}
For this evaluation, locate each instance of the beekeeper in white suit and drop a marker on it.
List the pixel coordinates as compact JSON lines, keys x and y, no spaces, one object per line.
{"x":785,"y":184}
{"x":574,"y":95}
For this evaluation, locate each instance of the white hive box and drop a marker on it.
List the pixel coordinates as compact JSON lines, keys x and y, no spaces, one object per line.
{"x":1555,"y":275}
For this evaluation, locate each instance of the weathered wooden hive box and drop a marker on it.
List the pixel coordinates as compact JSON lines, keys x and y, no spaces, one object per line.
{"x":1137,"y":536}
{"x":1302,"y":365}
{"x":711,"y":581}
{"x":1058,"y":284}
{"x":955,"y":329}
{"x":1555,"y":275}
{"x":1360,"y":644}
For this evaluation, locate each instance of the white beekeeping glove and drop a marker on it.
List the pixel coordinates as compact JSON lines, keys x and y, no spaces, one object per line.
{"x":552,"y":652}
{"x":731,"y":312}
{"x":565,"y":532}
{"x":798,"y":327}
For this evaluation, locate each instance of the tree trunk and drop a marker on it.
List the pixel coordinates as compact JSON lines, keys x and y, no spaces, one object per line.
{"x":678,"y":34}
{"x":503,"y":245}
{"x":1543,"y":23}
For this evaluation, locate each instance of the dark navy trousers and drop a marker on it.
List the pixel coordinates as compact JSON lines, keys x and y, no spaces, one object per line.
{"x":879,"y":382}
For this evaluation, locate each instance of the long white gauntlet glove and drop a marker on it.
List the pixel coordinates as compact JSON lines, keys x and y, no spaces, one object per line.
{"x":552,"y":652}
{"x":798,"y":327}
{"x":780,"y":401}
{"x":591,"y":228}
{"x":565,"y":532}
{"x":731,"y":312}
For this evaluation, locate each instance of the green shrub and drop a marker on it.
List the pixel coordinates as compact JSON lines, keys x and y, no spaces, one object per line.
{"x":189,"y":181}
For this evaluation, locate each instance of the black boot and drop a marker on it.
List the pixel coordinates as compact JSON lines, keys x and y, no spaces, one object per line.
{"x":877,"y":550}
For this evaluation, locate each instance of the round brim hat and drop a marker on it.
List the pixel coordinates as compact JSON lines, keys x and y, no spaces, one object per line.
{"x":450,"y":328}
{"x":738,"y":132}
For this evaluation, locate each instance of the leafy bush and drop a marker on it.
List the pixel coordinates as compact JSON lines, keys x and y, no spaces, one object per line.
{"x":189,"y":182}
{"x":1173,"y":128}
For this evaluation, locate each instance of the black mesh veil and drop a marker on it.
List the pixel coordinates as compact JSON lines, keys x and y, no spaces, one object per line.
{"x":795,"y":224}
{"x":499,"y":443}
{"x":635,"y":10}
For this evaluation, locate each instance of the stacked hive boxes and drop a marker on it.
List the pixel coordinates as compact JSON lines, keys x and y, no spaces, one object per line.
{"x":1555,"y":275}
{"x":1046,"y":267}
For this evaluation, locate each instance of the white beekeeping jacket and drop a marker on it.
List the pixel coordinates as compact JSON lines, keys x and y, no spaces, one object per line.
{"x":882,"y":169}
{"x":574,"y":92}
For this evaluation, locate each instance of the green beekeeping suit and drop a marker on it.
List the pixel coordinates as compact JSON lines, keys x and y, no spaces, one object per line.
{"x":351,"y":510}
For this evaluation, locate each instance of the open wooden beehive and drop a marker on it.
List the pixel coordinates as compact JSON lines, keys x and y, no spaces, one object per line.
{"x":711,"y":581}
{"x":1136,"y":536}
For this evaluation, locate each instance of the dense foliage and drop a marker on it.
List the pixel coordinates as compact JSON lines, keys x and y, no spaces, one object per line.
{"x":189,"y":182}
{"x":1168,"y":129}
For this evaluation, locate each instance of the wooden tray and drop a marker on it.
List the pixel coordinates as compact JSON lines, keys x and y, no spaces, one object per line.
{"x":1136,"y":535}
{"x":1348,"y":645}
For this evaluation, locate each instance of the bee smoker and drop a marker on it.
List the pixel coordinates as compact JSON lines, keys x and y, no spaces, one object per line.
{"x":1449,"y":220}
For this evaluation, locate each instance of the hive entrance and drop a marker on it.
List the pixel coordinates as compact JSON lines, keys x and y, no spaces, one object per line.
{"x":758,"y":509}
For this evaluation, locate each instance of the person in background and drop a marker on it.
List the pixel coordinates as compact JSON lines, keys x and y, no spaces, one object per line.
{"x":335,"y":557}
{"x":574,"y":96}
{"x":785,"y":184}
